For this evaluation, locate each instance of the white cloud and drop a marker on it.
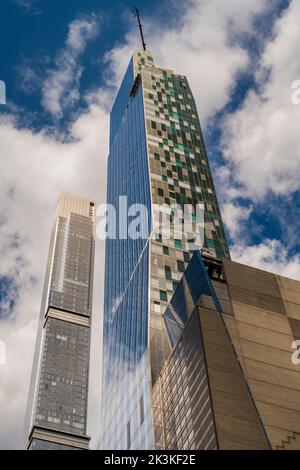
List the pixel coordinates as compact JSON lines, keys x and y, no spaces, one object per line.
{"x":61,"y":87}
{"x":34,"y":169}
{"x":201,"y":46}
{"x":270,"y":255}
{"x":261,"y":140}
{"x":234,"y":217}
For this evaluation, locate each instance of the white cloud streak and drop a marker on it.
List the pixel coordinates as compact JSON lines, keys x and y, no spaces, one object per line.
{"x":270,"y":255}
{"x":61,"y":87}
{"x":235,"y":217}
{"x":27,"y":6}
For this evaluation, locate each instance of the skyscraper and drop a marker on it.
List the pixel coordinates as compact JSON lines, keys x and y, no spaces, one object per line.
{"x":157,"y":156}
{"x":57,"y":408}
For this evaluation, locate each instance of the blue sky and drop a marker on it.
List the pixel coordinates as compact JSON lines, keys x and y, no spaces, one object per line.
{"x":63,"y":62}
{"x":34,"y":31}
{"x":31,"y":35}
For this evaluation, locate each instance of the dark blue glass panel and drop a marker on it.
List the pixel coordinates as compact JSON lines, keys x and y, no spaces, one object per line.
{"x":121,"y":102}
{"x":178,"y":303}
{"x":198,"y":283}
{"x":197,"y":278}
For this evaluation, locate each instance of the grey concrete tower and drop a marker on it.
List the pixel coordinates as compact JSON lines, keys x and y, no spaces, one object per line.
{"x":57,"y":406}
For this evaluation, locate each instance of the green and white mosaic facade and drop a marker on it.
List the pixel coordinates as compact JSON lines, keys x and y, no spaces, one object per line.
{"x":180,"y":174}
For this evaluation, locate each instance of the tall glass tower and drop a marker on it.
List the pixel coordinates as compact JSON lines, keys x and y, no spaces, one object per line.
{"x":57,"y":408}
{"x":157,"y":156}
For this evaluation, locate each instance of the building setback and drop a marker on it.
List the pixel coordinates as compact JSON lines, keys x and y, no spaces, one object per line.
{"x":230,"y":381}
{"x":57,"y":407}
{"x":157,"y":156}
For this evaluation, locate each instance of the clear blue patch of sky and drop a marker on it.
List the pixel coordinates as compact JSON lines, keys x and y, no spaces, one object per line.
{"x":279,"y":217}
{"x":8,"y":295}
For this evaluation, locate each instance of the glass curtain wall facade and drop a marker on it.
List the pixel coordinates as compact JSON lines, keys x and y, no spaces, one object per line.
{"x":157,"y":156}
{"x":57,"y":408}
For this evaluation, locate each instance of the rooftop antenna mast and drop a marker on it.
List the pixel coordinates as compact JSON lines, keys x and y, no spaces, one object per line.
{"x":141,"y":27}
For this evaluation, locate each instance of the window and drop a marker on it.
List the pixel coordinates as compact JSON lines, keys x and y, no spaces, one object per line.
{"x":175,"y":285}
{"x":165,"y":250}
{"x":168,"y":273}
{"x":160,"y":192}
{"x":163,"y":295}
{"x":186,"y":257}
{"x":180,"y":266}
{"x":142,"y":414}
{"x":128,"y":435}
{"x":178,"y":244}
